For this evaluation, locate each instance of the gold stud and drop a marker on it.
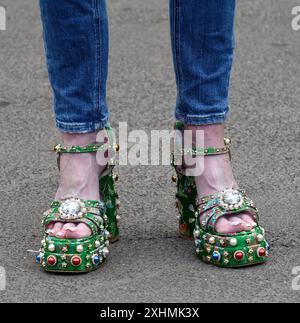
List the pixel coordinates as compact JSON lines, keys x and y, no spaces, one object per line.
{"x":57,"y":148}
{"x":117,"y":147}
{"x":174,"y":179}
{"x":227,"y":141}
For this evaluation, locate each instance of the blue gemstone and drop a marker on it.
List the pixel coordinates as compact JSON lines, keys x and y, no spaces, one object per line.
{"x":38,"y":258}
{"x":268,"y":247}
{"x":216,"y":256}
{"x":96,"y":259}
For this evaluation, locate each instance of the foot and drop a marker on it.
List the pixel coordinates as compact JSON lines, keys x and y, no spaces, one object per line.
{"x":218,"y":176}
{"x":79,"y":178}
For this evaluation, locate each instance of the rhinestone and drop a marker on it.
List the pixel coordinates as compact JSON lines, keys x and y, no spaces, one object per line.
{"x":70,"y":208}
{"x":96,"y":259}
{"x":239,"y":256}
{"x":261,"y":252}
{"x":212,"y":240}
{"x":39,"y":258}
{"x":76,"y":261}
{"x":79,"y":248}
{"x":260,"y":238}
{"x":97,"y":244}
{"x":196,"y":234}
{"x":51,"y":247}
{"x":216,"y":256}
{"x":222,"y":242}
{"x":105,"y":252}
{"x":232,"y":197}
{"x":51,"y":260}
{"x":233,"y":242}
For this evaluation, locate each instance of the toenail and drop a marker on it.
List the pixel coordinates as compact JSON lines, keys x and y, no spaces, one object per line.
{"x":70,"y":229}
{"x":236,"y":223}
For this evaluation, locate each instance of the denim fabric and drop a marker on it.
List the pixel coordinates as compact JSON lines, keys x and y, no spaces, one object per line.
{"x":202,"y":34}
{"x":76,"y":42}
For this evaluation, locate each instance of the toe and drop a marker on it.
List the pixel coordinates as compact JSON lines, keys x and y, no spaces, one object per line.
{"x":229,"y":225}
{"x":57,"y":227}
{"x":232,"y":224}
{"x":248,"y":219}
{"x":49,"y":229}
{"x":239,"y":224}
{"x":58,"y":230}
{"x":80,"y":231}
{"x":69,"y":226}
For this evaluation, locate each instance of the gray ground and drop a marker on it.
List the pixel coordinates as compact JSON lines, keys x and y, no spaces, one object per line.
{"x":151,"y":262}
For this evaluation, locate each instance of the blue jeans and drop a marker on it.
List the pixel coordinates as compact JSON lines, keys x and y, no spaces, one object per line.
{"x":76,"y":42}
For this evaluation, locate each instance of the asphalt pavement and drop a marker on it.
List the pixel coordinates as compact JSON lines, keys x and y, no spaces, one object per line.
{"x":151,"y":263}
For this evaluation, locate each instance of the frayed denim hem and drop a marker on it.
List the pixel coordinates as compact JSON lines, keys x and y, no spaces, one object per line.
{"x":85,"y":127}
{"x":203,"y":120}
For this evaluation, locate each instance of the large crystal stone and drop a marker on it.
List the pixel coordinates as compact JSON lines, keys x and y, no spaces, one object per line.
{"x":70,"y":209}
{"x":232,"y":198}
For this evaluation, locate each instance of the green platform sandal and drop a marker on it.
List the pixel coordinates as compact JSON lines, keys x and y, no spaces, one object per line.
{"x":228,"y":251}
{"x":87,"y":254}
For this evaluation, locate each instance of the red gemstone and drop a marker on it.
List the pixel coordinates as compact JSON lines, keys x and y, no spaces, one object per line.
{"x":262,"y":252}
{"x":183,"y":228}
{"x":239,"y":255}
{"x":51,"y":261}
{"x":76,"y":261}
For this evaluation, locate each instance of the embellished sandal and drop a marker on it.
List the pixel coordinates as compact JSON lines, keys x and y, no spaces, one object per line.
{"x":86,"y":254}
{"x":223,"y":250}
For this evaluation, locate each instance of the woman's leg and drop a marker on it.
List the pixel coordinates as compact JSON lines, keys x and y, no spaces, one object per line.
{"x":203,"y":47}
{"x":76,"y":42}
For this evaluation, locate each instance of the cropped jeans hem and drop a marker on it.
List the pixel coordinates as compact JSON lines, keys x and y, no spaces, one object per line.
{"x":202,"y":120}
{"x":85,"y":127}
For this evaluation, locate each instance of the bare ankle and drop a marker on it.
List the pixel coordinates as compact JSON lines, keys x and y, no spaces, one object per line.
{"x":213,"y":134}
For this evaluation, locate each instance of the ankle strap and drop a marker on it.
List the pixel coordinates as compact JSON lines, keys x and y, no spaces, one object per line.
{"x":210,"y":151}
{"x":92,"y":148}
